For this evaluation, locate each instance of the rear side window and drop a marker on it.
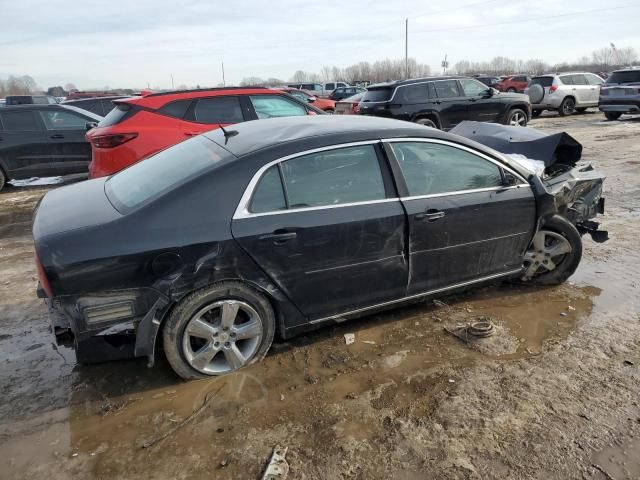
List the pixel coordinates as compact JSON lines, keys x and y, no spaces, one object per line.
{"x":344,"y":175}
{"x":627,"y":76}
{"x":58,"y":120}
{"x":430,"y":168}
{"x":542,"y":81}
{"x":161,"y":172}
{"x":330,"y":86}
{"x":19,"y":121}
{"x":377,"y":95}
{"x":218,"y":110}
{"x":447,"y":88}
{"x":411,"y":94}
{"x":567,"y":79}
{"x":270,"y":106}
{"x":175,"y":109}
{"x":120,"y":113}
{"x":579,"y":79}
{"x":268,"y":195}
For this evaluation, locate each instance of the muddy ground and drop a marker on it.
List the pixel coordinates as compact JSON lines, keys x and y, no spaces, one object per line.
{"x":553,"y":395}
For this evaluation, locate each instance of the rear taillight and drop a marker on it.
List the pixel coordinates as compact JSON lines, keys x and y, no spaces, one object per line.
{"x":112,"y":140}
{"x":42,"y":277}
{"x":355,"y":108}
{"x":553,"y":88}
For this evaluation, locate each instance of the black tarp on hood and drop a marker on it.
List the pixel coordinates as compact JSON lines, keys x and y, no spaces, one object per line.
{"x":559,"y":148}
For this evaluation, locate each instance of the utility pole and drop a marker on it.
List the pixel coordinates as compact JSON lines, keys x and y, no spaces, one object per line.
{"x":224,"y":84}
{"x":445,"y":65}
{"x":172,"y":85}
{"x":406,"y":48}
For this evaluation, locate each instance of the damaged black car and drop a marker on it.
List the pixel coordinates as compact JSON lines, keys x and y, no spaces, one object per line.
{"x":209,"y":249}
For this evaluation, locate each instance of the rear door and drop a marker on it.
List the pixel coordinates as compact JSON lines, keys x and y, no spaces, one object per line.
{"x":327,"y":228}
{"x":24,"y":151}
{"x":453,"y":105}
{"x":65,"y":133}
{"x":482,"y":106}
{"x":465,"y":222}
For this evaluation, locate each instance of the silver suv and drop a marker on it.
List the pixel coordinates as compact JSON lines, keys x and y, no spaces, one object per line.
{"x":564,"y":92}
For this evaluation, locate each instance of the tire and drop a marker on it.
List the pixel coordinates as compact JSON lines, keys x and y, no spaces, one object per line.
{"x":3,"y":179}
{"x":567,"y":107}
{"x":560,"y":230}
{"x":511,"y":90}
{"x":427,"y":122}
{"x":202,"y":312}
{"x":516,"y":117}
{"x":613,"y":115}
{"x":536,"y":113}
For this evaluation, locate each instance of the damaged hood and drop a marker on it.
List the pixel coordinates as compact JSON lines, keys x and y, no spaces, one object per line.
{"x":558,"y":148}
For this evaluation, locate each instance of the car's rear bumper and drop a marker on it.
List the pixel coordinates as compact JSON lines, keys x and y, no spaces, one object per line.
{"x":620,"y":107}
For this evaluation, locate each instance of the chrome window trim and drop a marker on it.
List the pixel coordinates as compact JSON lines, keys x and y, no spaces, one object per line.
{"x":242,"y":210}
{"x":395,"y":90}
{"x":417,"y":295}
{"x":506,"y":166}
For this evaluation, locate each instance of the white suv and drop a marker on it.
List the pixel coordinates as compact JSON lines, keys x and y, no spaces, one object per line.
{"x":564,"y":92}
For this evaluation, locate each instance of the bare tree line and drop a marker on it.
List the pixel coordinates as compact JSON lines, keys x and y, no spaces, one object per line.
{"x":13,"y":85}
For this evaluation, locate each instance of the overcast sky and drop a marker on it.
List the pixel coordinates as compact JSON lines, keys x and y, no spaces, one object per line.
{"x":129,"y":44}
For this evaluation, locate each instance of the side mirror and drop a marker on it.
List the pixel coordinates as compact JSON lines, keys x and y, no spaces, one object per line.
{"x":490,"y":92}
{"x":509,"y":179}
{"x":90,"y":125}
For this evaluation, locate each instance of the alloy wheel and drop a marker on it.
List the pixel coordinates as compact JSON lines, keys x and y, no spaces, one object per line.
{"x":222,"y":336}
{"x":568,"y":106}
{"x":548,"y":249}
{"x":518,"y":119}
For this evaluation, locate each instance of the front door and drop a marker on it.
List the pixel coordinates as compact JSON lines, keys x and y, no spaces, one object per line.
{"x":65,"y":132}
{"x":327,"y":228}
{"x":465,"y":222}
{"x":483,"y":107}
{"x":24,"y":151}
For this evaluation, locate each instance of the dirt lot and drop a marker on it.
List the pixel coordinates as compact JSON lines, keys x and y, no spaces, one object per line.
{"x":553,"y":395}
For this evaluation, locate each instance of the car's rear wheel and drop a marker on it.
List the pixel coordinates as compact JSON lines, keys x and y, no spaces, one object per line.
{"x":511,"y":90}
{"x":217,"y":330}
{"x":613,"y":115}
{"x":517,"y":118}
{"x":567,"y":107}
{"x":554,"y":253}
{"x":427,"y":122}
{"x":536,"y":113}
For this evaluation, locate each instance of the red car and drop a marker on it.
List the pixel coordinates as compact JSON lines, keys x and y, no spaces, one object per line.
{"x":141,"y":126}
{"x":513,"y":83}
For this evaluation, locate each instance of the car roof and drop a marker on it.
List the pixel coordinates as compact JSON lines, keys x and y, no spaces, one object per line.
{"x":248,"y":137}
{"x":52,"y":106}
{"x":398,"y":83}
{"x":89,"y":99}
{"x":157,"y":100}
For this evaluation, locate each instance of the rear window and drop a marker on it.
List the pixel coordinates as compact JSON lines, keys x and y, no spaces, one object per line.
{"x":628,"y":76}
{"x":121,"y":112}
{"x":377,"y":95}
{"x":164,"y":171}
{"x":542,"y":81}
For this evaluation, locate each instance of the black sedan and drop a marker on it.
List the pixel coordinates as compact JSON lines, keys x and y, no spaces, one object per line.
{"x":43,"y":140}
{"x":284,"y":225}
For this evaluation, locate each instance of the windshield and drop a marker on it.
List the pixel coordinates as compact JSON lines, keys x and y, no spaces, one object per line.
{"x":627,"y":76}
{"x":377,"y":95}
{"x":164,"y":171}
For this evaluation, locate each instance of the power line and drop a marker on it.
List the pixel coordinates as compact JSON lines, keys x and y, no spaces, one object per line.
{"x":470,"y":27}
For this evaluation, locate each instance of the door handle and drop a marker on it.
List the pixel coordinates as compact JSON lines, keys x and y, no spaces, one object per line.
{"x":430,"y":215}
{"x":56,"y":137}
{"x":279,"y":236}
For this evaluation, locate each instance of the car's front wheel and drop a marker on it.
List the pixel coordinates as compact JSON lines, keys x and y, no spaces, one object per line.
{"x":217,"y":330}
{"x":554,"y":253}
{"x":612,"y":115}
{"x":3,"y":179}
{"x":517,"y":118}
{"x":567,"y":107}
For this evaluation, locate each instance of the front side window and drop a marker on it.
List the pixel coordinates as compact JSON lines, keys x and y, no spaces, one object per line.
{"x":270,"y":106}
{"x":19,"y":122}
{"x":330,"y":86}
{"x":57,"y":120}
{"x":447,"y":88}
{"x":344,"y":175}
{"x":218,"y":110}
{"x":431,"y":168}
{"x":473,"y":88}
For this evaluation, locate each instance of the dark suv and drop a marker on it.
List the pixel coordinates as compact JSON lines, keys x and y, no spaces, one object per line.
{"x":443,"y":102}
{"x":620,"y":93}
